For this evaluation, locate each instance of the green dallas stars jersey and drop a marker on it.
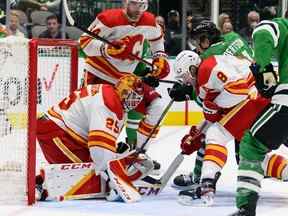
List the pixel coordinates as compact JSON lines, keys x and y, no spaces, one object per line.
{"x":230,"y":44}
{"x":270,"y":38}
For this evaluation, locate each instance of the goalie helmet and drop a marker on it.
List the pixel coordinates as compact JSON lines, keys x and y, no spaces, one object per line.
{"x":131,"y":90}
{"x":186,"y":66}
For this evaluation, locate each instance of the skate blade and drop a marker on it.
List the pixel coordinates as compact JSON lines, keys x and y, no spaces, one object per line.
{"x":190,"y":187}
{"x":155,"y":172}
{"x":188,"y":201}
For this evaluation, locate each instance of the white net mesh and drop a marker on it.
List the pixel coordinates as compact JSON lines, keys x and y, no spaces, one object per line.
{"x":13,"y":118}
{"x":53,"y":84}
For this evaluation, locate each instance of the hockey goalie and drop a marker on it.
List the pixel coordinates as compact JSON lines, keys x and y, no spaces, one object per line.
{"x":83,"y":128}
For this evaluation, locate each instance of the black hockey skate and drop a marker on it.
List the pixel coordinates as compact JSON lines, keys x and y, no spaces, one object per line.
{"x":41,"y":193}
{"x":203,"y":195}
{"x":250,"y":208}
{"x":186,"y":182}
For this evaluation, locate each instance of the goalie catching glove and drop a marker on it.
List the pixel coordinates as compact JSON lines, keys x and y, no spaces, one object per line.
{"x":122,"y":172}
{"x":192,"y":141}
{"x":122,"y":49}
{"x":266,"y":81}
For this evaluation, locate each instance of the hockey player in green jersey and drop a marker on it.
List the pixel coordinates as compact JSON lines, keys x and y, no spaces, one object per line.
{"x":269,"y":131}
{"x":209,"y":41}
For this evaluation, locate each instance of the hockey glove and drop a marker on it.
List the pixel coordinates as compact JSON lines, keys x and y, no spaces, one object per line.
{"x":180,"y":92}
{"x":161,"y":67}
{"x":266,"y":81}
{"x":123,"y":147}
{"x":123,"y":48}
{"x":151,"y":81}
{"x":192,"y":141}
{"x":212,"y":112}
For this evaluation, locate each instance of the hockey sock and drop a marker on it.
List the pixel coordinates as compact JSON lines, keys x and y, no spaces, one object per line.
{"x":276,"y":166}
{"x":250,"y":171}
{"x":132,"y":125}
{"x":214,"y":160}
{"x":199,"y":163}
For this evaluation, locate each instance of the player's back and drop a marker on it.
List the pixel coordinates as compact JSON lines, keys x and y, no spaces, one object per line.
{"x":87,"y":109}
{"x":227,"y":77}
{"x":231,"y":44}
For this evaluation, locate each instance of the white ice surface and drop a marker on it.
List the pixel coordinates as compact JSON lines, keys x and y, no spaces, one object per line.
{"x":273,"y":202}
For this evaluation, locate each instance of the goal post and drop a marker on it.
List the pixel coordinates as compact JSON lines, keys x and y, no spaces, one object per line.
{"x":34,"y":75}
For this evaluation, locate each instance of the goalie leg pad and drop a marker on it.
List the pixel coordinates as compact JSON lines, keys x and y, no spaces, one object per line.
{"x":120,"y":181}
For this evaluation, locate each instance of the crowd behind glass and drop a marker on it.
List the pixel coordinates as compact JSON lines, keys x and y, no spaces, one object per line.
{"x":42,"y":19}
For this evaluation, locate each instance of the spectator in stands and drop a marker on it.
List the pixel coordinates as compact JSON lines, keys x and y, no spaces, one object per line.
{"x":53,"y":29}
{"x":253,"y":19}
{"x":223,"y":17}
{"x":13,"y":28}
{"x":227,"y":27}
{"x":26,"y":5}
{"x":161,"y":21}
{"x":173,"y":33}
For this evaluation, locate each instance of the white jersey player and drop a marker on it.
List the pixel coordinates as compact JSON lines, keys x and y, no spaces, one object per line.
{"x":127,"y":28}
{"x":84,"y":128}
{"x":230,"y":102}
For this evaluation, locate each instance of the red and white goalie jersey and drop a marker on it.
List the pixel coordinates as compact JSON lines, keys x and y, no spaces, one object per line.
{"x":114,"y":25}
{"x":100,"y":127}
{"x":94,"y":116}
{"x":225,"y":80}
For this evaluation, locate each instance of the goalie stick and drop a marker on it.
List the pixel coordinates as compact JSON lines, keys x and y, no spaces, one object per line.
{"x":141,"y":149}
{"x":73,"y":23}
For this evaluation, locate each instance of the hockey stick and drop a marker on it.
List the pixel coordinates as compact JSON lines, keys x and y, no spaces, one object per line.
{"x":141,"y":149}
{"x":73,"y":23}
{"x":174,"y":165}
{"x":168,"y":81}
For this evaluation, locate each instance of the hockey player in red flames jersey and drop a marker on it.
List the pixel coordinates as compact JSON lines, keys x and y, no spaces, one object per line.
{"x":224,"y":87}
{"x":84,"y":128}
{"x":128,"y":28}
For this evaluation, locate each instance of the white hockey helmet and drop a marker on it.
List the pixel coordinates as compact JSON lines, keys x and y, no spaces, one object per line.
{"x":141,"y":4}
{"x":186,"y":66}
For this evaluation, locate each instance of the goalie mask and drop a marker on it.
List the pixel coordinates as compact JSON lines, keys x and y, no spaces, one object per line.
{"x":186,"y":66}
{"x":131,"y":90}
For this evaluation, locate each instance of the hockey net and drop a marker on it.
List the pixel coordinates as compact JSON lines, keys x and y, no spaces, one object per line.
{"x":34,"y":74}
